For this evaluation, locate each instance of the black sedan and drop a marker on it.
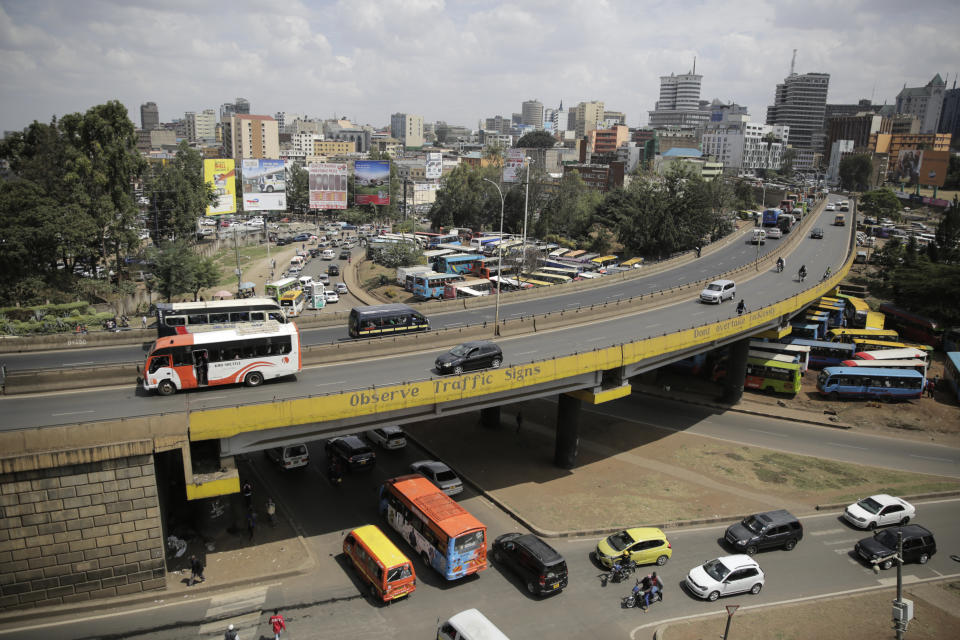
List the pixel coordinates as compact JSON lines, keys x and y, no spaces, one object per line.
{"x":333,"y":270}
{"x":817,"y":233}
{"x":352,"y":451}
{"x":480,"y":354}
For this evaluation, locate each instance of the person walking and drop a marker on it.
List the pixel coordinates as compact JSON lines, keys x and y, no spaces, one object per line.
{"x":699,"y":248}
{"x":251,"y":522}
{"x":196,"y":571}
{"x":272,"y":512}
{"x":143,"y":321}
{"x":277,"y":624}
{"x":247,"y":490}
{"x":931,"y":387}
{"x":231,"y":633}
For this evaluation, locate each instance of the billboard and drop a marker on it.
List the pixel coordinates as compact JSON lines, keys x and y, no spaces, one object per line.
{"x":264,"y":185}
{"x":328,"y":185}
{"x":922,"y":167}
{"x":434,"y":167}
{"x":371,"y":181}
{"x":512,"y":164}
{"x":221,"y":174}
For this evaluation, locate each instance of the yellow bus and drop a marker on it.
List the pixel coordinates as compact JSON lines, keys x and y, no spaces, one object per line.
{"x":537,"y":283}
{"x":632,"y":262}
{"x":849,"y":335}
{"x":380,"y":563}
{"x":291,"y":303}
{"x":878,"y":345}
{"x":552,"y":278}
{"x":603,"y":262}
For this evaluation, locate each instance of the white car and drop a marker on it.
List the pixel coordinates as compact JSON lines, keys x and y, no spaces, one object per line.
{"x":328,"y":254}
{"x":725,"y":576}
{"x":439,"y":474}
{"x":331,"y":296}
{"x":878,"y":511}
{"x":389,"y":437}
{"x":775,"y":233}
{"x":831,"y":207}
{"x":718,"y":290}
{"x":341,"y":289}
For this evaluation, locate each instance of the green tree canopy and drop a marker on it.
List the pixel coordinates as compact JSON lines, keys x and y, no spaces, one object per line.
{"x":881,"y":203}
{"x":855,"y":171}
{"x":179,"y":195}
{"x":298,"y":190}
{"x":536,"y":140}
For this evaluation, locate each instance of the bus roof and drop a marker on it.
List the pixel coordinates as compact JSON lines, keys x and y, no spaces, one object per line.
{"x":772,"y":362}
{"x":224,"y":335}
{"x":779,"y":346}
{"x":872,"y":371}
{"x":600,"y":259}
{"x":902,"y":363}
{"x":282,"y":282}
{"x":381,"y":308}
{"x":215,"y":304}
{"x":381,"y":545}
{"x":440,"y":508}
{"x":631,"y":262}
{"x":819,"y":343}
{"x":476,"y":625}
{"x":539,"y":283}
{"x":891,"y":354}
{"x":766,"y":355}
{"x":576,"y":253}
{"x":890,"y":344}
{"x":293,"y":294}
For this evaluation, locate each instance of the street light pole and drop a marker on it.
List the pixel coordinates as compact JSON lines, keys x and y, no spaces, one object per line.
{"x":526,"y":195}
{"x":496,"y":322}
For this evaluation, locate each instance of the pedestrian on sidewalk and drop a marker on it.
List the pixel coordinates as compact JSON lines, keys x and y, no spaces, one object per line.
{"x":277,"y":624}
{"x":698,"y":250}
{"x":143,"y":321}
{"x":247,"y":491}
{"x":196,"y":571}
{"x":519,"y":420}
{"x":251,"y":522}
{"x":931,"y":387}
{"x":272,"y":512}
{"x":231,"y":634}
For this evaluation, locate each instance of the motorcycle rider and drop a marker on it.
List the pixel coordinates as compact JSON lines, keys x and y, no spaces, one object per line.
{"x":741,"y":307}
{"x":803,"y":272}
{"x":780,"y":264}
{"x":826,"y":274}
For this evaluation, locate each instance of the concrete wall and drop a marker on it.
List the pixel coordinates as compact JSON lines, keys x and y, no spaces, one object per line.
{"x":79,"y":532}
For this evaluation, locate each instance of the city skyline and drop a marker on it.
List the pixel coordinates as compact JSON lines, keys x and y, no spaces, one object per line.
{"x":459,"y":62}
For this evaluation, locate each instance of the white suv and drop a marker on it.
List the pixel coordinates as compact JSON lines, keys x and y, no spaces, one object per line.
{"x":718,"y":290}
{"x":725,"y":576}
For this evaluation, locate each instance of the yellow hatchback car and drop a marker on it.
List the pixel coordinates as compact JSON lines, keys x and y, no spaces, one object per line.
{"x":644,"y":545}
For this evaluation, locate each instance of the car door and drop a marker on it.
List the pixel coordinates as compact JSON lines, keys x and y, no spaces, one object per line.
{"x":912,"y":548}
{"x":738,"y":581}
{"x":890,"y":514}
{"x":472,"y":360}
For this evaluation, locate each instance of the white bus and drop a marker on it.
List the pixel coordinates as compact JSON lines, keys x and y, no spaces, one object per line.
{"x":911,"y":363}
{"x":801,"y":352}
{"x":175,"y":318}
{"x":892,"y":354}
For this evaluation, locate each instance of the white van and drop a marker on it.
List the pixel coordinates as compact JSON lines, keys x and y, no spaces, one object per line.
{"x":469,"y":625}
{"x":328,"y":254}
{"x":759,"y":236}
{"x":297,"y":261}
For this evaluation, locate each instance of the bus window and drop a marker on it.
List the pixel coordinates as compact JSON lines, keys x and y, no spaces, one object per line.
{"x":217,"y":318}
{"x":244,"y":316}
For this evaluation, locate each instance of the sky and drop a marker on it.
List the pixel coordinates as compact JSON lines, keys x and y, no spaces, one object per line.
{"x":454,"y":60}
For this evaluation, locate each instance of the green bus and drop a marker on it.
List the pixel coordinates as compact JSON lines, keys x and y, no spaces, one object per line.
{"x":773,"y":376}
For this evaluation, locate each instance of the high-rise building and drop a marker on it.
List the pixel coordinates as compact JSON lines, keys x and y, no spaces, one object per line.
{"x":744,"y":146}
{"x":408,"y":128}
{"x":241,"y":106}
{"x":532,"y":114}
{"x":950,"y":114}
{"x":800,"y":103}
{"x":589,"y":116}
{"x":679,"y":103}
{"x":924,"y":102}
{"x":149,"y":116}
{"x":201,"y":127}
{"x":251,"y":136}
{"x":856,"y":128}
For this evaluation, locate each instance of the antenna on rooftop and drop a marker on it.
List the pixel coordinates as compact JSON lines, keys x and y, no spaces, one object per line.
{"x":793,"y":61}
{"x":694,"y":66}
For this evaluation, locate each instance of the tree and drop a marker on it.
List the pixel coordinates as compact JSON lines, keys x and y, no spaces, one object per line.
{"x":881,"y":203}
{"x":536,"y":140}
{"x":493,"y":154}
{"x":465,"y":200}
{"x":786,"y":165}
{"x":947,"y":243}
{"x":203,"y":274}
{"x":567,"y":212}
{"x":179,"y":195}
{"x":855,"y":172}
{"x":743,"y":194}
{"x":400,"y":254}
{"x":173,"y":269}
{"x":298,"y":190}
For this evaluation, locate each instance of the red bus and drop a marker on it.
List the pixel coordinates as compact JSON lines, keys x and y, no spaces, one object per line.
{"x":444,"y":534}
{"x":911,"y":325}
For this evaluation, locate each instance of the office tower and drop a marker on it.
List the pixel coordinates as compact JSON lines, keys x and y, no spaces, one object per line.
{"x":800,"y":103}
{"x":532,"y":114}
{"x":149,"y":116}
{"x":679,"y":103}
{"x":408,"y":128}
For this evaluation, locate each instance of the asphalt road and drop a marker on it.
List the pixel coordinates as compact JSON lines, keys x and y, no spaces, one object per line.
{"x":766,"y":287}
{"x":708,"y":266}
{"x":327,"y":603}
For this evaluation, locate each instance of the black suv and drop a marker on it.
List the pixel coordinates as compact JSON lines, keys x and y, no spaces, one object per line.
{"x":353,"y":451}
{"x":538,"y":564}
{"x":333,"y":270}
{"x":764,"y":531}
{"x":918,"y":546}
{"x":480,"y":354}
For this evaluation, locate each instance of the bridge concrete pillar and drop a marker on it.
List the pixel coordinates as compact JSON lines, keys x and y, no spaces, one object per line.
{"x":490,"y":417}
{"x":568,"y":436}
{"x":736,"y":371}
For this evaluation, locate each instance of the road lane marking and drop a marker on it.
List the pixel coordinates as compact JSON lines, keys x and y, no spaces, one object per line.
{"x":76,"y":364}
{"x":327,"y":384}
{"x":913,"y":455}
{"x":827,"y":532}
{"x":71,"y":413}
{"x":848,"y":446}
{"x":523,"y":353}
{"x":248,"y":622}
{"x":770,"y":433}
{"x":597,"y":339}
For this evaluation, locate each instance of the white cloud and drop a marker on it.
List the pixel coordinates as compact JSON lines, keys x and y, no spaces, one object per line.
{"x":459,"y":60}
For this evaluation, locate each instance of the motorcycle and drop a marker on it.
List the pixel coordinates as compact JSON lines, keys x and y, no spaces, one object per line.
{"x":621,"y":570}
{"x":335,"y":475}
{"x":637,"y":596}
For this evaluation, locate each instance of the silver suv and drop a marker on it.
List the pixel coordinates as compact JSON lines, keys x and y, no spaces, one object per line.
{"x":719,"y":290}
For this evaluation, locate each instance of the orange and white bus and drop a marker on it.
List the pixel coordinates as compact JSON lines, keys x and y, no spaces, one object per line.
{"x":444,"y":534}
{"x":233,"y":356}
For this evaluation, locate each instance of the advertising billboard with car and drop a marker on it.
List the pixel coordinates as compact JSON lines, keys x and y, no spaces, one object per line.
{"x":372,"y":181}
{"x":264,"y":185}
{"x":220,"y":173}
{"x":328,"y":185}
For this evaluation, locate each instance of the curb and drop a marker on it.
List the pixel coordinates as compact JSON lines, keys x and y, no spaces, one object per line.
{"x":915,"y":496}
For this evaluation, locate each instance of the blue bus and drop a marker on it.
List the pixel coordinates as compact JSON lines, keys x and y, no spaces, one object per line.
{"x":431,"y":285}
{"x":456,"y":262}
{"x":951,"y":372}
{"x":805,"y":329}
{"x":823,"y":353}
{"x":864,"y":382}
{"x":771,"y":217}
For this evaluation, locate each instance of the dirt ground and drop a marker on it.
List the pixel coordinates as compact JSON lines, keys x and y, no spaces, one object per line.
{"x":935,"y":614}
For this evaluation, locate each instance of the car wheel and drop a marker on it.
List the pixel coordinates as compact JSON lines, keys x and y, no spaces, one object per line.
{"x":790,"y":545}
{"x":872,"y":526}
{"x":662,"y":560}
{"x":253,"y":379}
{"x":496,"y":363}
{"x":531,"y":588}
{"x":751,"y":550}
{"x":457,"y":370}
{"x":923,"y":558}
{"x":755,"y":589}
{"x":886,"y":564}
{"x":713,"y":596}
{"x":166,"y":388}
{"x":904,"y":520}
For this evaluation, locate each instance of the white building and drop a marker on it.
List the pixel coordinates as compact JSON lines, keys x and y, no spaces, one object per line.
{"x":200,"y":127}
{"x":408,"y":128}
{"x":303,"y":142}
{"x":838,"y":150}
{"x":745,"y":146}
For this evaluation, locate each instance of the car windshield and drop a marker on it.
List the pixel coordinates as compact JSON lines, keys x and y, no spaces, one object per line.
{"x":299,"y":450}
{"x":620,"y":541}
{"x":460,"y":350}
{"x":753,"y":524}
{"x":446,"y":476}
{"x":716,"y":570}
{"x":713,"y":287}
{"x":870,"y":505}
{"x":887,"y":538}
{"x":468,"y":542}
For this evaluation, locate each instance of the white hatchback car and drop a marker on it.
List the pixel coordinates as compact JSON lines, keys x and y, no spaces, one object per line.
{"x":878,"y":511}
{"x":719,"y":290}
{"x":725,"y":576}
{"x":389,"y":437}
{"x":774,"y":233}
{"x":331,"y":296}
